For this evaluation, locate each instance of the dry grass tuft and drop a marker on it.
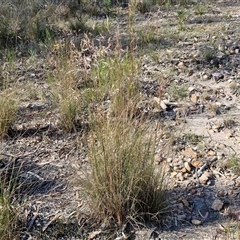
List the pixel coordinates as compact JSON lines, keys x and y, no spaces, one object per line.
{"x":8,"y":111}
{"x":123,"y":182}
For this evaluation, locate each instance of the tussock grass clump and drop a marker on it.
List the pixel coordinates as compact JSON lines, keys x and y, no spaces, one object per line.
{"x":7,"y":215}
{"x":66,"y":82}
{"x":67,"y":98}
{"x":123,"y":183}
{"x":8,"y":111}
{"x":70,"y":109}
{"x":114,"y":78}
{"x":234,"y":164}
{"x":8,"y":211}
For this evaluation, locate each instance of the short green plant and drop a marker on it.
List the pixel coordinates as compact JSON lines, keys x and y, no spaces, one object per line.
{"x":177,"y":92}
{"x":6,"y":216}
{"x":149,"y":36}
{"x":192,"y":138}
{"x":8,"y":213}
{"x":123,"y":182}
{"x":8,"y":111}
{"x":66,"y":96}
{"x":70,"y":109}
{"x":115,"y":78}
{"x":200,"y":9}
{"x":155,"y":57}
{"x":79,"y":24}
{"x":182,"y":16}
{"x":209,"y":53}
{"x":234,"y":163}
{"x":68,"y":102}
{"x":213,"y":108}
{"x":229,"y":122}
{"x":144,"y":6}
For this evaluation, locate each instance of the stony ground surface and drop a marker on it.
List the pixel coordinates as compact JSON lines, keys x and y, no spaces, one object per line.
{"x":190,"y":82}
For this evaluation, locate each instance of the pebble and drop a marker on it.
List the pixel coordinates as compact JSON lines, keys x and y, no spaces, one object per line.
{"x":205,"y":177}
{"x":216,"y":128}
{"x":183,"y":170}
{"x":185,"y":202}
{"x":237,"y":181}
{"x":191,"y":88}
{"x":220,"y":155}
{"x":181,"y":64}
{"x":217,"y":76}
{"x":221,"y":193}
{"x":187,"y":166}
{"x":188,"y":152}
{"x":196,"y":163}
{"x":173,"y":174}
{"x":229,"y":135}
{"x":196,"y":222}
{"x":211,"y":153}
{"x":181,"y":217}
{"x":186,"y":175}
{"x":194,"y":98}
{"x":217,"y":205}
{"x":230,"y":192}
{"x":180,"y":176}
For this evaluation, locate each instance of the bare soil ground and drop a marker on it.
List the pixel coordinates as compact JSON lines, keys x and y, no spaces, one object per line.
{"x":195,"y":62}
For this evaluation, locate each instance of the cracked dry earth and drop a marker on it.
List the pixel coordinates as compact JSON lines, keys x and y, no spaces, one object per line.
{"x":197,"y":101}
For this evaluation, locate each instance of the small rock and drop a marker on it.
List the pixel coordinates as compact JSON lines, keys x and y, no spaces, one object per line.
{"x":190,"y":89}
{"x":157,"y":100}
{"x":229,"y":135}
{"x":163,"y":105}
{"x":185,"y":202}
{"x":221,"y":193}
{"x":217,"y":76}
{"x":180,"y":177}
{"x":218,"y":104}
{"x":189,"y":153}
{"x":196,"y":163}
{"x":211,"y":153}
{"x":220,"y":155}
{"x":180,"y":206}
{"x":205,"y":76}
{"x":237,"y":182}
{"x":217,"y":205}
{"x":92,"y":235}
{"x":186,"y":175}
{"x":194,"y":98}
{"x":230,"y":192}
{"x":196,"y":222}
{"x":173,"y":174}
{"x":205,"y":177}
{"x":181,"y":64}
{"x":221,"y":146}
{"x":183,"y":170}
{"x":216,"y":128}
{"x":181,"y":217}
{"x":187,"y":166}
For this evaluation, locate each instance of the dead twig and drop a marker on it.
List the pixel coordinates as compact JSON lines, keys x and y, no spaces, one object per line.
{"x":15,"y":157}
{"x":205,"y":165}
{"x":35,"y":214}
{"x":52,"y":220}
